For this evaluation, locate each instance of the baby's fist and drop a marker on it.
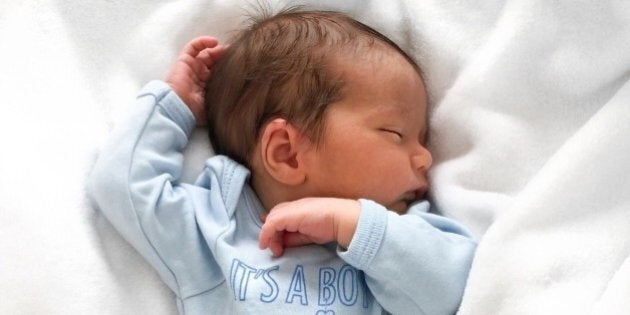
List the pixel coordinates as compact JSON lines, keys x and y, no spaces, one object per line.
{"x":190,"y":72}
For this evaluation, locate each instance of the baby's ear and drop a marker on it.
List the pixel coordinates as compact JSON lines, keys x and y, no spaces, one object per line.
{"x":281,"y":147}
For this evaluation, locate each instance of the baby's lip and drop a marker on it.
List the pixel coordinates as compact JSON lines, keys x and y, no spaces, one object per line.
{"x":411,"y":196}
{"x":421,"y":191}
{"x":415,"y":194}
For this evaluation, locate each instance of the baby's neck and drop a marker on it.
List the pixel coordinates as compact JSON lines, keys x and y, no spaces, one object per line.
{"x":267,"y":191}
{"x":272,"y":193}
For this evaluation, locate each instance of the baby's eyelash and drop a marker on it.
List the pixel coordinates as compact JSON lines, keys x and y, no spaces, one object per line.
{"x":397,"y":133}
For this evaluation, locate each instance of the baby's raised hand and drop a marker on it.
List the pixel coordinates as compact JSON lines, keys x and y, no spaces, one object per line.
{"x":309,"y":221}
{"x":190,"y":72}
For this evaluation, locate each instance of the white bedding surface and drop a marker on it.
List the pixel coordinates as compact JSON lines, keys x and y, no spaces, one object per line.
{"x":530,"y":112}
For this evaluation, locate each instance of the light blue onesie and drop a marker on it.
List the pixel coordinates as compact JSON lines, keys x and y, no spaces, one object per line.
{"x":203,"y":239}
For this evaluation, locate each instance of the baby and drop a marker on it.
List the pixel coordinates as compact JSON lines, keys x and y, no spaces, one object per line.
{"x":319,"y":123}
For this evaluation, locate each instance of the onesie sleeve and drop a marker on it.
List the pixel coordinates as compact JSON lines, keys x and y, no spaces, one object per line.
{"x":416,"y":263}
{"x":135,"y":184}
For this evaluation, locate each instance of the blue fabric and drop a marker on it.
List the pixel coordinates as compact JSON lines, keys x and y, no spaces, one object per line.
{"x":203,"y":239}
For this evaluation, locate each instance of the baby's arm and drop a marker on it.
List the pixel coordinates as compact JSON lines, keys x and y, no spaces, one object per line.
{"x":414,"y":264}
{"x":135,"y":181}
{"x":308,"y":221}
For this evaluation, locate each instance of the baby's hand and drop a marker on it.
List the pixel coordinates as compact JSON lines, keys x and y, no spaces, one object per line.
{"x":188,"y":76}
{"x":309,"y":221}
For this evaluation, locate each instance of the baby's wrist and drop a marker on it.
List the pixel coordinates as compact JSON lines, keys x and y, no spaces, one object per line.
{"x":346,"y":221}
{"x":177,"y":90}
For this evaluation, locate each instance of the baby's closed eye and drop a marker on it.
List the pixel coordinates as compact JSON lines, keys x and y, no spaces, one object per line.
{"x":394,"y":133}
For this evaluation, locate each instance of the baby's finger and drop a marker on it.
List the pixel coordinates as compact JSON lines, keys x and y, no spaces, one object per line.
{"x":296,"y":239}
{"x":218,"y":51}
{"x":269,"y":232}
{"x":272,"y":241}
{"x":199,"y":44}
{"x":200,"y":72}
{"x":276,"y":246}
{"x":210,"y":55}
{"x":265,"y":236}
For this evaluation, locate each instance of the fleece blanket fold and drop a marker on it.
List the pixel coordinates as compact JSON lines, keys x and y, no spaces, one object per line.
{"x":529,"y":127}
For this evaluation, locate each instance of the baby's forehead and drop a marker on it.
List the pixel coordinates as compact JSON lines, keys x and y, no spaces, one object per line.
{"x":383,"y":83}
{"x":375,"y":56}
{"x":377,"y":65}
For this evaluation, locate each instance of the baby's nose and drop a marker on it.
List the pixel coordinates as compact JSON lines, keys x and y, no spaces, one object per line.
{"x":422,"y":160}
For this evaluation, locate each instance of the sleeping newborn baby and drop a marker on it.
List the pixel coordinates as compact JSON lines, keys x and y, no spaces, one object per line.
{"x":319,"y":125}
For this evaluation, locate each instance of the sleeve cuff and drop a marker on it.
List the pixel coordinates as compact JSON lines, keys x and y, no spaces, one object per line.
{"x":368,"y":236}
{"x":174,"y":107}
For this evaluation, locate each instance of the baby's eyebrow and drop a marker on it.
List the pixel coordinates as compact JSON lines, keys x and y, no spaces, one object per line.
{"x":394,"y":109}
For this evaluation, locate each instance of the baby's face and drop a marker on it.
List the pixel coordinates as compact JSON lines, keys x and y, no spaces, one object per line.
{"x":373,"y":143}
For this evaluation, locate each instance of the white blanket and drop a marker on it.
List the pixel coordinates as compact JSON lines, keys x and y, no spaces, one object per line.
{"x":530,"y":121}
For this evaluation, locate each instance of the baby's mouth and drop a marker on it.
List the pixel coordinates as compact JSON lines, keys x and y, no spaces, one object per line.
{"x":415,"y":194}
{"x":401,"y":205}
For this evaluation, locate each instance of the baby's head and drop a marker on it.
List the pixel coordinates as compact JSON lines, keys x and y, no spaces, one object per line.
{"x":317,"y":104}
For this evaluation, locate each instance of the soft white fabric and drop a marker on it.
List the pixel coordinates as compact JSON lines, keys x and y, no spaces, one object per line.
{"x":529,"y":128}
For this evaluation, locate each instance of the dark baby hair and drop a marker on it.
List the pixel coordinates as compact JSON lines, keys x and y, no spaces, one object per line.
{"x":279,"y":67}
